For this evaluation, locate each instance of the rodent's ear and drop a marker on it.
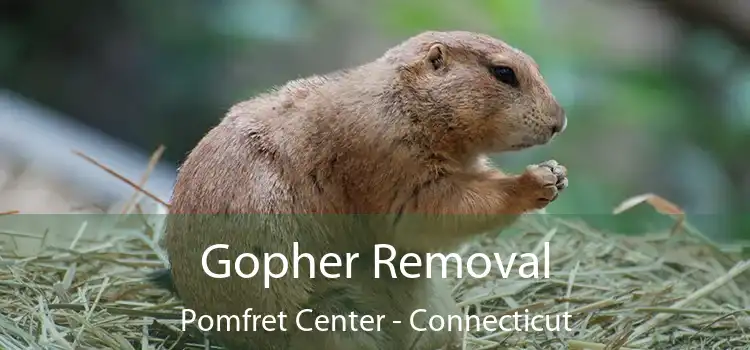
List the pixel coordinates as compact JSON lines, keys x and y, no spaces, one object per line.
{"x":436,"y":56}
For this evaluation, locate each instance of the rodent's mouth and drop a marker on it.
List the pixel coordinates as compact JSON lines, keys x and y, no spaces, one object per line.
{"x":520,"y":146}
{"x":551,"y":138}
{"x":529,"y":142}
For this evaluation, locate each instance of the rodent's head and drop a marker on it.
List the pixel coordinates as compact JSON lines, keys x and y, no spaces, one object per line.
{"x":477,"y":90}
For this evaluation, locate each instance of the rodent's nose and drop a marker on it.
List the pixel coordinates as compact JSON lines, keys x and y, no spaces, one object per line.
{"x":560,"y":127}
{"x":562,"y":121}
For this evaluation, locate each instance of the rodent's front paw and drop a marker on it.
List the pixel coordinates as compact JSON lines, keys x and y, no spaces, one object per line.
{"x":543,"y":182}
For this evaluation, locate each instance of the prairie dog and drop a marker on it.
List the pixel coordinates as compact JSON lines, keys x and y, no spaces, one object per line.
{"x":390,"y":152}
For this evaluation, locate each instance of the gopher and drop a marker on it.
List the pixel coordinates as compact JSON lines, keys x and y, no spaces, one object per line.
{"x":394,"y":151}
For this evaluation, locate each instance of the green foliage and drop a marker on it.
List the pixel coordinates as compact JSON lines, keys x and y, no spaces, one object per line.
{"x":674,"y":105}
{"x":517,"y":20}
{"x":400,"y":17}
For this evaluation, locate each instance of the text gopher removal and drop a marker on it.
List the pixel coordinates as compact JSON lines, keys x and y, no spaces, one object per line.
{"x":334,"y":266}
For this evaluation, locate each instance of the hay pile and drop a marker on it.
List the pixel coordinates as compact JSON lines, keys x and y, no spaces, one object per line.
{"x":660,"y":292}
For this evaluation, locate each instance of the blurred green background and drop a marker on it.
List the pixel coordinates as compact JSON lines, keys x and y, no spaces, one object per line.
{"x":657,"y":92}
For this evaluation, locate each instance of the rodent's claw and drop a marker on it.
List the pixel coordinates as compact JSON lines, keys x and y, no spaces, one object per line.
{"x":560,"y":171}
{"x":550,"y":163}
{"x":544,"y":181}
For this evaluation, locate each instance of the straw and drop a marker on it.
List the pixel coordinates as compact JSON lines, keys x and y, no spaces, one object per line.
{"x":664,"y":290}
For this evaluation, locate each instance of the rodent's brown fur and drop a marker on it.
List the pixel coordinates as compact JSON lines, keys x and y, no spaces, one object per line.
{"x":405,"y":135}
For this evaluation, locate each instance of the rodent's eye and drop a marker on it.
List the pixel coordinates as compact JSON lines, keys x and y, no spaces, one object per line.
{"x":506,"y":75}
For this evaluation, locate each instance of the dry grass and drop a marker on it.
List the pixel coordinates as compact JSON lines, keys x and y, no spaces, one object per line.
{"x":661,"y":291}
{"x":657,"y":291}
